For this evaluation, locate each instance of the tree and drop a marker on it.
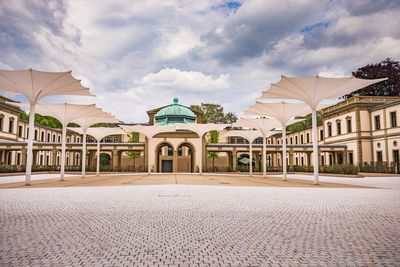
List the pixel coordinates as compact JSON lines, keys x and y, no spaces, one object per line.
{"x":213,"y":156}
{"x":133,"y":138}
{"x":388,"y":68}
{"x":307,"y":123}
{"x":214,"y":113}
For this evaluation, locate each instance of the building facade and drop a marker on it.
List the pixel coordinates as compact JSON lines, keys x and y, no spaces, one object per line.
{"x":357,"y":130}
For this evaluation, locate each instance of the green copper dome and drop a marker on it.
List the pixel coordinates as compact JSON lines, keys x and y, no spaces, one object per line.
{"x":175,"y":113}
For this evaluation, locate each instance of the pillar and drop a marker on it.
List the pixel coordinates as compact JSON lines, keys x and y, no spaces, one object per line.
{"x":291,"y":158}
{"x":234,"y":160}
{"x":257,"y":161}
{"x":23,"y":156}
{"x":175,"y":160}
{"x":34,"y":160}
{"x":115,"y":159}
{"x":308,"y":158}
{"x":53,"y":155}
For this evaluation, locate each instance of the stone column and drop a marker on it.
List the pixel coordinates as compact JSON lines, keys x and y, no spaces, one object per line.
{"x":115,"y":159}
{"x":34,"y":160}
{"x":234,"y":160}
{"x":175,"y":160}
{"x":257,"y":161}
{"x":291,"y":157}
{"x":53,"y":155}
{"x":23,"y":156}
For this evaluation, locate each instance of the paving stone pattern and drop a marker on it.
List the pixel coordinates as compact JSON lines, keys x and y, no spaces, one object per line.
{"x":185,"y":225}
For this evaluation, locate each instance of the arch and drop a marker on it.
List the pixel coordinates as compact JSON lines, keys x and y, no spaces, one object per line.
{"x":164,"y":157}
{"x":186,"y":157}
{"x":105,"y":159}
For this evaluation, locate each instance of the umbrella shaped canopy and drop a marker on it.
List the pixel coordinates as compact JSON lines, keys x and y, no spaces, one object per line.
{"x":284,"y":112}
{"x":149,"y":131}
{"x":201,"y":130}
{"x":250,"y":136}
{"x":264,"y":125}
{"x":85,"y":123}
{"x":65,"y":113}
{"x":312,"y":90}
{"x":37,"y":84}
{"x":34,"y":85}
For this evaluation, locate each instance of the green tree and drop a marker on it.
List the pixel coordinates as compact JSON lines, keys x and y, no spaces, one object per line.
{"x":213,"y":156}
{"x":133,"y":138}
{"x":307,"y":123}
{"x":214,"y":113}
{"x":105,"y":159}
{"x":214,"y":137}
{"x":388,"y":68}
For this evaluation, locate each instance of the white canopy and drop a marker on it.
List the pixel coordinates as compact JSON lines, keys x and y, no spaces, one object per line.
{"x":201,"y":130}
{"x":98,"y":133}
{"x":284,"y":112}
{"x":65,"y":113}
{"x":250,"y":136}
{"x":85,"y":123}
{"x":149,"y":131}
{"x":312,"y":90}
{"x":35,"y":85}
{"x":264,"y":125}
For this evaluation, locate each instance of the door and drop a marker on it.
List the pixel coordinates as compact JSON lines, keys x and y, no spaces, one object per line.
{"x":396,"y":160}
{"x":166,"y":166}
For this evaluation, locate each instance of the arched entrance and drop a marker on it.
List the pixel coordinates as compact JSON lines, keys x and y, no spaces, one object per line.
{"x":165,"y":157}
{"x":186,"y":160}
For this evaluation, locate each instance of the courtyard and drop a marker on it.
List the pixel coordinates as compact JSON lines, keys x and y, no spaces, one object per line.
{"x":174,"y":220}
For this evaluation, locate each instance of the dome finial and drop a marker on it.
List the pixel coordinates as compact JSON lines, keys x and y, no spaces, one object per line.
{"x":176,"y":100}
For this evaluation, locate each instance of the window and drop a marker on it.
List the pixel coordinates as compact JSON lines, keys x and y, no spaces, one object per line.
{"x":42,"y":137}
{"x":393,"y":119}
{"x":20,"y":131}
{"x":258,"y":141}
{"x":11,"y":125}
{"x":349,"y":125}
{"x":339,"y":128}
{"x":308,"y":138}
{"x":59,"y":139}
{"x":108,"y":140}
{"x":170,"y":151}
{"x":27,"y":132}
{"x":377,"y":123}
{"x":329,"y":130}
{"x":239,"y":140}
{"x":48,"y":137}
{"x":379,"y":156}
{"x":291,"y":140}
{"x":301,"y":139}
{"x":351,"y":158}
{"x":78,"y":140}
{"x":321,"y":134}
{"x":286,"y":141}
{"x":232,"y":140}
{"x":68,"y":140}
{"x":116,"y":140}
{"x":296,"y":140}
{"x":36,"y":134}
{"x":54,"y":138}
{"x":1,"y":123}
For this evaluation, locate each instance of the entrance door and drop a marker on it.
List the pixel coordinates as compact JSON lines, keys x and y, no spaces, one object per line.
{"x":166,"y":166}
{"x":396,"y":160}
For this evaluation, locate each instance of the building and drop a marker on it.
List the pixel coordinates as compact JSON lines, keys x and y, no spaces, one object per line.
{"x":357,"y":130}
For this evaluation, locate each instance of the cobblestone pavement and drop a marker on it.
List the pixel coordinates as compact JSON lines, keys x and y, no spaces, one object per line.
{"x":186,"y":225}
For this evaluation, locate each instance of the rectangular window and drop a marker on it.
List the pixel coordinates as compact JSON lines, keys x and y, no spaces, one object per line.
{"x":349,"y":125}
{"x":59,"y":139}
{"x":116,"y":140}
{"x":351,"y":158}
{"x":308,"y":138}
{"x":1,"y":123}
{"x":48,"y":137}
{"x":339,"y":128}
{"x":27,"y":132}
{"x":239,"y":140}
{"x":20,"y":131}
{"x":379,"y":156}
{"x":377,"y":123}
{"x":232,"y":140}
{"x":42,"y":137}
{"x":11,"y":126}
{"x":54,"y":138}
{"x":296,"y":140}
{"x":321,"y":134}
{"x":393,"y":119}
{"x":329,"y":130}
{"x":301,"y":139}
{"x":258,"y":141}
{"x":291,"y":140}
{"x":36,"y":133}
{"x":286,"y":141}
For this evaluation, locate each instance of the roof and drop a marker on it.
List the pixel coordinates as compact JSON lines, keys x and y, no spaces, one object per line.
{"x":175,"y":113}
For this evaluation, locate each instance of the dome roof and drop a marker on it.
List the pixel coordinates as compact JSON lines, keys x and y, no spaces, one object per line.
{"x":175,"y":113}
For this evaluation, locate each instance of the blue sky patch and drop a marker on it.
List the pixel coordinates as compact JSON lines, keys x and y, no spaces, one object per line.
{"x":308,"y":29}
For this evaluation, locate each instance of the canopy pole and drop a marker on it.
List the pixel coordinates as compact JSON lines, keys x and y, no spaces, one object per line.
{"x":84,"y":154}
{"x":148,"y":156}
{"x":284,"y":152}
{"x":63,"y":144}
{"x":251,"y":158}
{"x":264,"y":156}
{"x":201,"y":155}
{"x":315,"y":146}
{"x":98,"y":158}
{"x":29,"y":152}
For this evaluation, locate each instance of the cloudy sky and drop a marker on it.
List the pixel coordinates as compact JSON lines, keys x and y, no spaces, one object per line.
{"x":139,"y":55}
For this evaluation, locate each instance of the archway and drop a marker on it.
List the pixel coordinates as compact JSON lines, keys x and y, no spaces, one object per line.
{"x":186,"y":158}
{"x":105,"y":159}
{"x":164,"y":157}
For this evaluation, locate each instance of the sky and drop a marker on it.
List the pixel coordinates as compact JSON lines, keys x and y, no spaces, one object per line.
{"x":139,"y":55}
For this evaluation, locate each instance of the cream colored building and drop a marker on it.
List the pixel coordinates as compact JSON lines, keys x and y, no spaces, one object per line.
{"x":357,"y":130}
